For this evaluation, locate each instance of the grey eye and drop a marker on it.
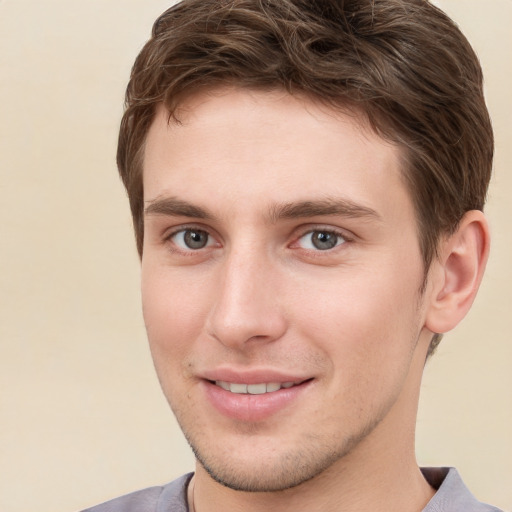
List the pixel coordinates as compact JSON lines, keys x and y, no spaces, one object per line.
{"x":321,"y":240}
{"x":192,"y":239}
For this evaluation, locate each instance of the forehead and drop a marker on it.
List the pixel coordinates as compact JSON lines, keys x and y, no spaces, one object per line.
{"x":240,"y":145}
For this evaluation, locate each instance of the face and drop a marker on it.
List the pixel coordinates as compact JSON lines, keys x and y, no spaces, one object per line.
{"x":280,"y":278}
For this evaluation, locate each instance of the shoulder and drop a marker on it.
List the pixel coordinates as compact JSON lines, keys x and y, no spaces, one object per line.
{"x":168,"y":498}
{"x":452,"y":494}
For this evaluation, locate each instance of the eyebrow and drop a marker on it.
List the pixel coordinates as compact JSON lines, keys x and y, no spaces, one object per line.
{"x":174,"y":207}
{"x":337,"y":206}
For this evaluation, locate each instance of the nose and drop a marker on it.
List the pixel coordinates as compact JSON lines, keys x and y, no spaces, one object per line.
{"x":247,"y":304}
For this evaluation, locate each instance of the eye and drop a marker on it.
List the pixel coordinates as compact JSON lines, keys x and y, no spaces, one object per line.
{"x":192,"y":239}
{"x":320,"y":240}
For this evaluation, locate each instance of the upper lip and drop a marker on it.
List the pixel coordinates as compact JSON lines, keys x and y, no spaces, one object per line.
{"x":252,"y":376}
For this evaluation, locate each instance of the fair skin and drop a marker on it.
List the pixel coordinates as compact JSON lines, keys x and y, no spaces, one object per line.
{"x":281,"y":247}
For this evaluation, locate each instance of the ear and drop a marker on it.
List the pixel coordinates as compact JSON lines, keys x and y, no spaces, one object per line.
{"x":457,"y":272}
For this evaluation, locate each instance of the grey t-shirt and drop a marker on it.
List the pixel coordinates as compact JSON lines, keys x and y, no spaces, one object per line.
{"x":451,"y":496}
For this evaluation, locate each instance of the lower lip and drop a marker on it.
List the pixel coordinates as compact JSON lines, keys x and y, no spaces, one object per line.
{"x":252,"y":408}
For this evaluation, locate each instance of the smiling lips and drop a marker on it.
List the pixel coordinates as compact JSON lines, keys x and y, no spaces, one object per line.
{"x":253,"y":401}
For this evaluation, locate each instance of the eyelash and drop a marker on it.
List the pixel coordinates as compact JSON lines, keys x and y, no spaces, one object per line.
{"x":168,"y":239}
{"x":345,"y":238}
{"x":339,"y":239}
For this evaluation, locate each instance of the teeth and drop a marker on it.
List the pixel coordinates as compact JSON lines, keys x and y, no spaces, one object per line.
{"x":222,"y":384}
{"x":273,"y":386}
{"x":253,"y":389}
{"x":256,"y":389}
{"x":238,"y":388}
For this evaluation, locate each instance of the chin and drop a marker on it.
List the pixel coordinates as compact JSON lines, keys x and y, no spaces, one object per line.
{"x":264,"y":477}
{"x":272,"y":470}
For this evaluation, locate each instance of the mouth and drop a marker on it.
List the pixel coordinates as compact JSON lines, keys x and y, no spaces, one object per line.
{"x":254,"y":401}
{"x":254,"y":389}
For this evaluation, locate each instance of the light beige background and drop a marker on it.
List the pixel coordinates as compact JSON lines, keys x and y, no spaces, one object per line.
{"x":81,"y":416}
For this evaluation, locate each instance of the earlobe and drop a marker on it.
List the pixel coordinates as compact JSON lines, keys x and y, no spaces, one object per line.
{"x":458,"y":272}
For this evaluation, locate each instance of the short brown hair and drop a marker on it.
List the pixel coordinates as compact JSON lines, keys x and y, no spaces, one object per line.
{"x":402,"y":63}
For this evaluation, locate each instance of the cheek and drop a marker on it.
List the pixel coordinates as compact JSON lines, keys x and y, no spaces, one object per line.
{"x":172,"y":310}
{"x":363,"y":320}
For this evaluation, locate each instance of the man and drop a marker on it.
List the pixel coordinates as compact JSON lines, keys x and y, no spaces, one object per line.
{"x":307,"y":182}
